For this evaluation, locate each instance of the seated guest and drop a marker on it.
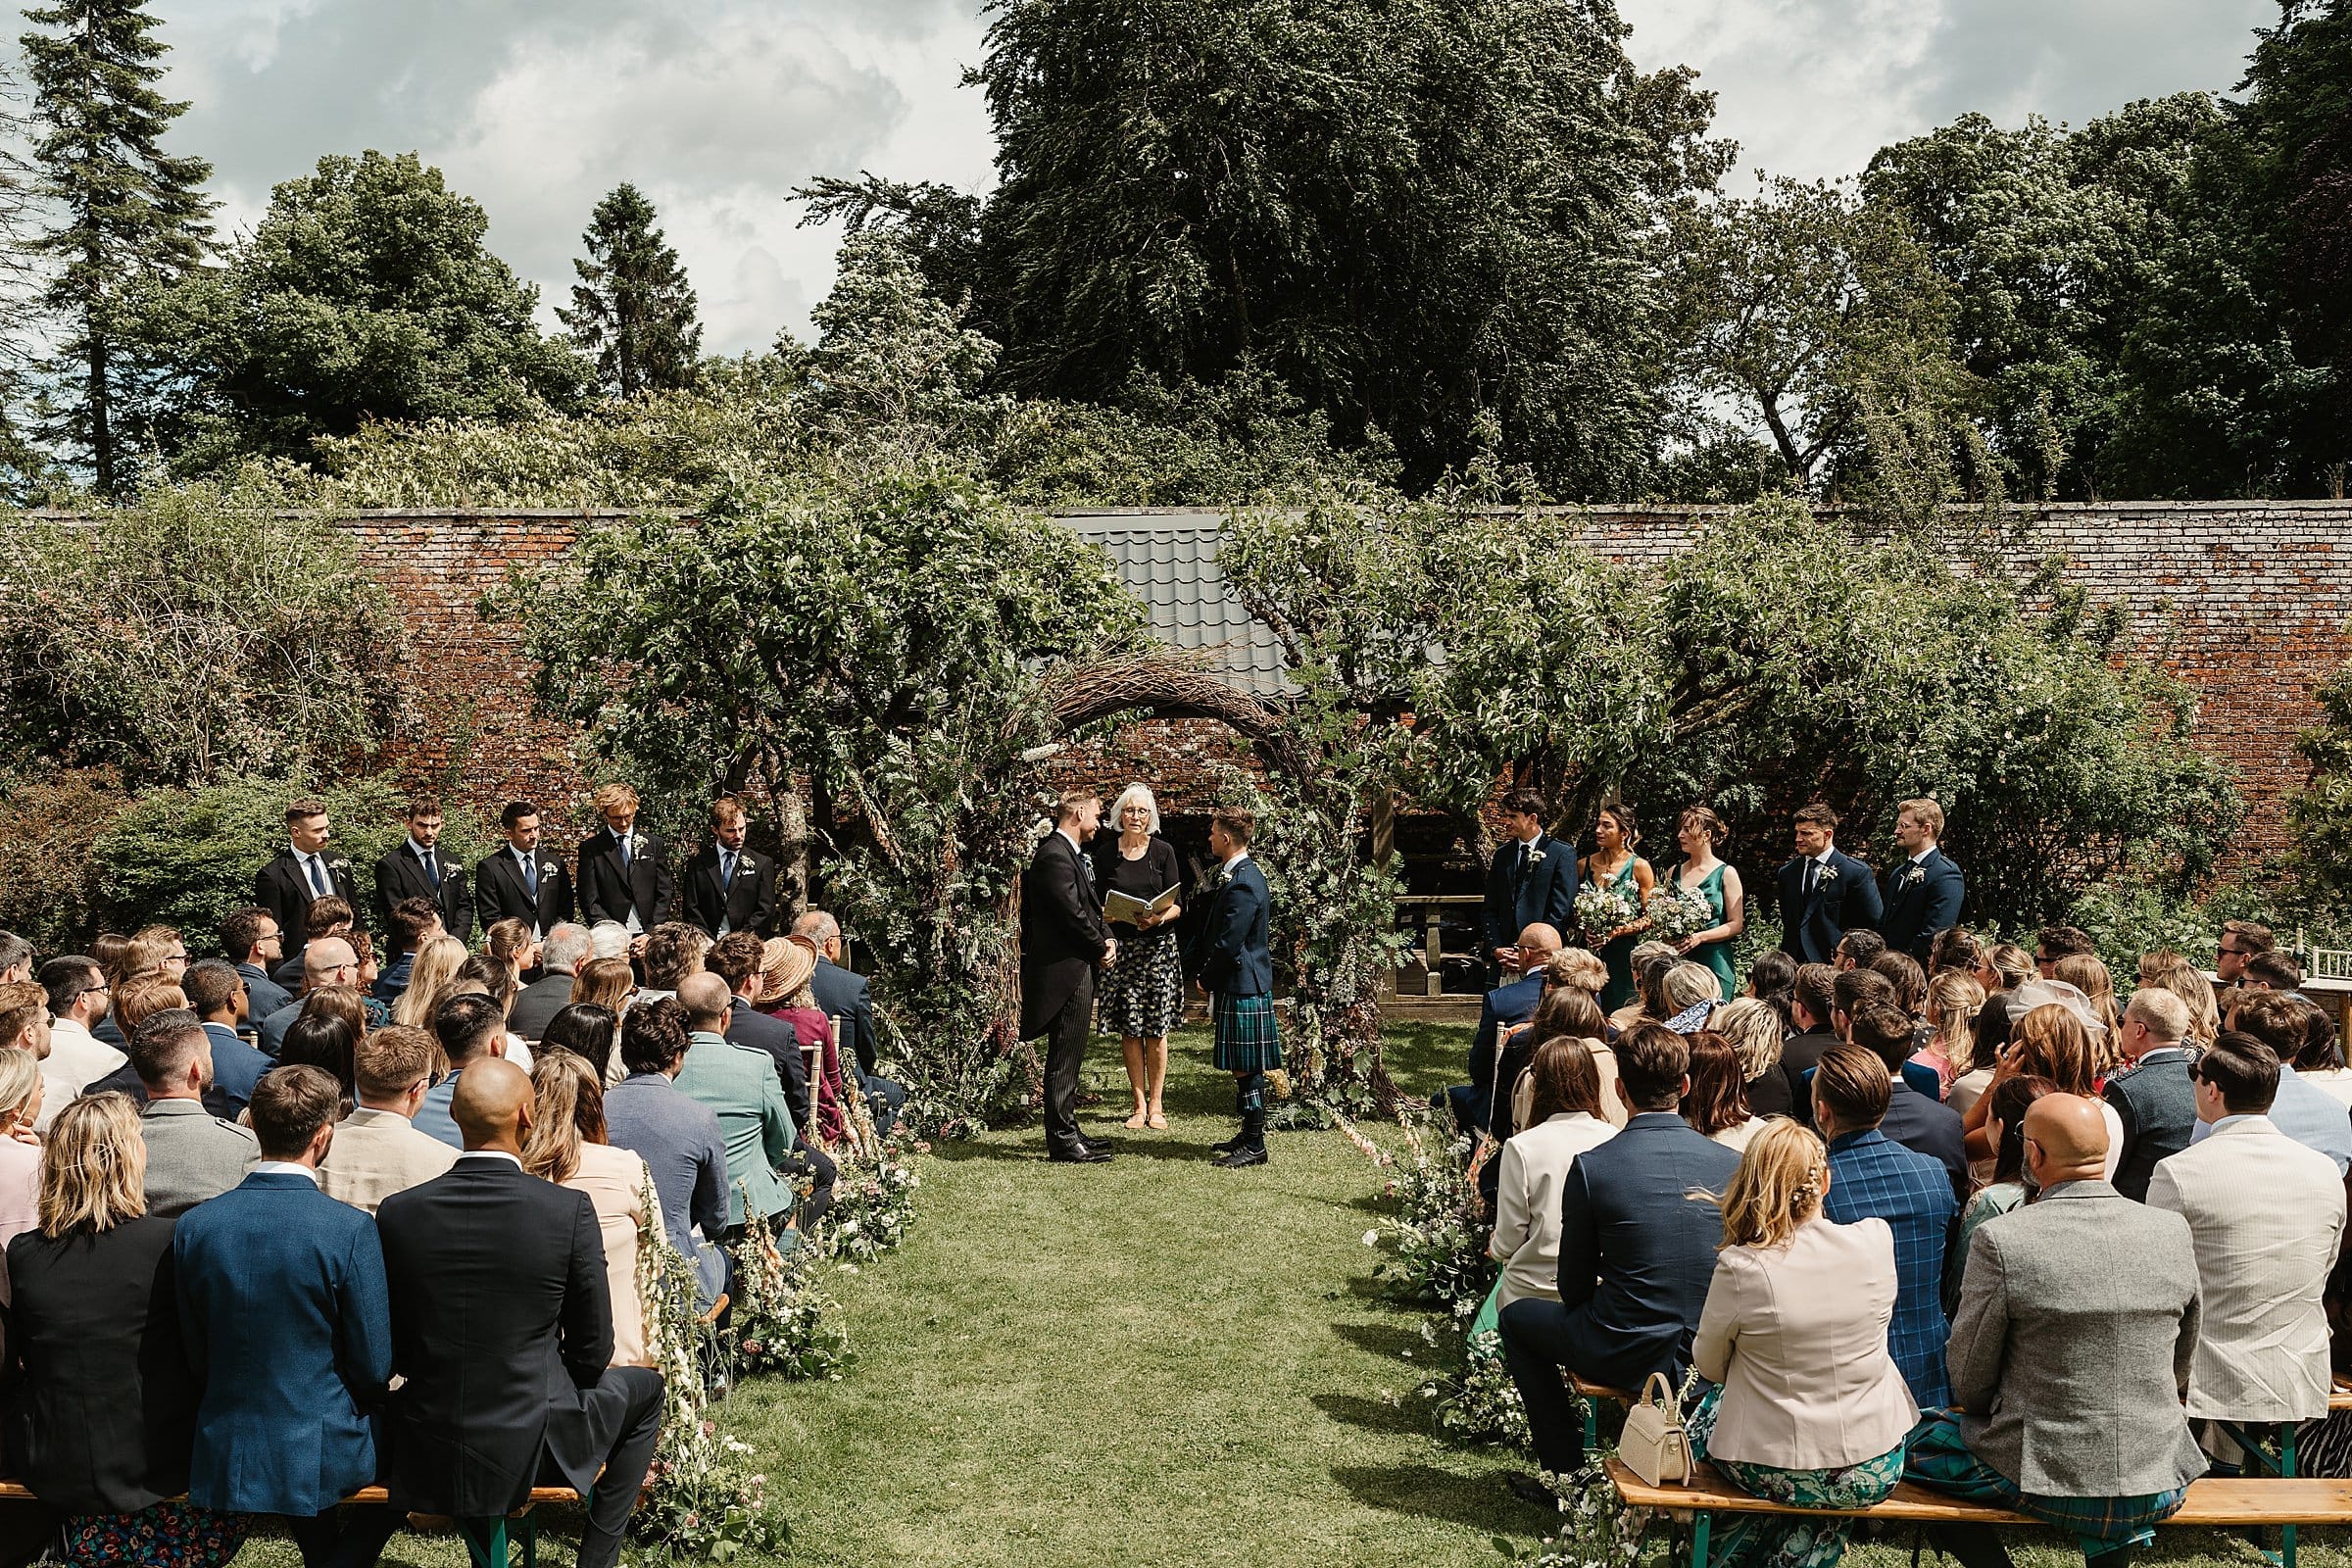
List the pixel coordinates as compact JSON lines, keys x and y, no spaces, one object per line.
{"x":326,"y":917}
{"x":254,"y":944}
{"x":494,"y":977}
{"x":1949,"y":1023}
{"x":739,"y":1085}
{"x":323,"y":1040}
{"x":16,"y":959}
{"x":788,"y":994}
{"x":1808,"y":1408}
{"x":1858,"y":949}
{"x":609,"y":940}
{"x":605,"y":983}
{"x":1649,"y":960}
{"x":412,"y":924}
{"x":2303,"y":1111}
{"x":741,"y":961}
{"x":191,"y":1154}
{"x":2272,"y":971}
{"x":567,"y":1144}
{"x":673,"y":950}
{"x":216,"y":993}
{"x":378,"y":1149}
{"x":1912,"y":1118}
{"x":469,"y":1029}
{"x":2154,"y":1102}
{"x":100,"y":1405}
{"x":2321,"y":1061}
{"x":1812,"y":1020}
{"x":1875,"y":1178}
{"x":1563,"y":1121}
{"x":1565,"y":1010}
{"x":1513,"y":1001}
{"x":560,"y":956}
{"x":432,"y":979}
{"x":283,"y":1301}
{"x":328,"y":961}
{"x":21,"y":1089}
{"x":678,"y":1138}
{"x":2266,"y":1214}
{"x":1716,"y":1105}
{"x":1689,"y":992}
{"x":515,"y":942}
{"x":2051,"y":1040}
{"x":1754,"y":1027}
{"x":845,"y":995}
{"x":2165,"y":969}
{"x":1909,"y":979}
{"x":588,"y":1032}
{"x":528,"y":1391}
{"x":79,"y":996}
{"x":2007,"y":1189}
{"x":2070,"y":1355}
{"x":1635,"y":1254}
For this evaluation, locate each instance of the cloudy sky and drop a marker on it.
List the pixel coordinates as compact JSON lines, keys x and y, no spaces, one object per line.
{"x":716,"y":108}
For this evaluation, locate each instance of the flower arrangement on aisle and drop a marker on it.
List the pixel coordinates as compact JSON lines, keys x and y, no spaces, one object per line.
{"x":1676,"y":912}
{"x":783,"y":1320}
{"x":873,"y":1192}
{"x":1603,"y":906}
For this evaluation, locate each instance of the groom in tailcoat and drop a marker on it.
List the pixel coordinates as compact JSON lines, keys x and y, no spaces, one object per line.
{"x":1531,"y":881}
{"x":1064,"y":945}
{"x":1824,"y":892}
{"x":1923,"y":890}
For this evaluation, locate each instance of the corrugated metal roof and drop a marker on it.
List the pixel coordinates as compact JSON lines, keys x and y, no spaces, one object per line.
{"x":1169,"y":561}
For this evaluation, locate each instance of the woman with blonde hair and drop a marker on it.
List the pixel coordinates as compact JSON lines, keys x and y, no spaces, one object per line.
{"x":1953,"y":997}
{"x":512,"y":940}
{"x":567,"y":1145}
{"x":1686,"y":990}
{"x":1578,"y":969}
{"x":1808,"y":1407}
{"x":1141,"y":998}
{"x":2172,"y":971}
{"x":1563,"y":1121}
{"x":21,"y":1093}
{"x":102,"y":1416}
{"x":430,"y":978}
{"x":1755,"y":1029}
{"x":605,"y":983}
{"x":2087,"y":974}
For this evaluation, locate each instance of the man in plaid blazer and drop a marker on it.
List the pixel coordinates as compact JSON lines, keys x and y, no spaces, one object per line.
{"x":1872,"y":1177}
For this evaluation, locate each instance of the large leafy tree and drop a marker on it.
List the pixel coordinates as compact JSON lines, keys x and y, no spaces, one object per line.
{"x":128,"y":212}
{"x":365,"y":293}
{"x":632,"y":308}
{"x":1430,"y":218}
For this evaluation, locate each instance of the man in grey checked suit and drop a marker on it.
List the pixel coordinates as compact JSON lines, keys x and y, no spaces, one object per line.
{"x":2070,"y":1354}
{"x":192,"y":1154}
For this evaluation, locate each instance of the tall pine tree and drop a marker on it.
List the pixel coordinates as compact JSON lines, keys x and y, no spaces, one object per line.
{"x":632,"y":307}
{"x":127,"y":213}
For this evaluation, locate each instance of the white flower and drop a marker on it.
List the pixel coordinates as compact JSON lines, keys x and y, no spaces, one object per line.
{"x":1371,"y":1238}
{"x":1829,"y":873}
{"x":1534,"y":857}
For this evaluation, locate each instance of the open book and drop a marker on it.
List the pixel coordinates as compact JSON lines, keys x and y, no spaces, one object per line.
{"x":1125,"y":909}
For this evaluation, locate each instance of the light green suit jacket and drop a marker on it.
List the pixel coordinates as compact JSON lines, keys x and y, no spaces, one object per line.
{"x":739,"y":1083}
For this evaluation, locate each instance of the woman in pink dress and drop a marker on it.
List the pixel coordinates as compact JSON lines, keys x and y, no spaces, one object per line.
{"x":786,"y":994}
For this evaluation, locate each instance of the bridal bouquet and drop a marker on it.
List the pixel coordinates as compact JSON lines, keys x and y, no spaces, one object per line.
{"x":1602,"y":907}
{"x":1677,"y":913}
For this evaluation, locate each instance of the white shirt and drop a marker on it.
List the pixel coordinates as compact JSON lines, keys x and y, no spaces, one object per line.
{"x":2206,"y":1129}
{"x":422,"y":852}
{"x":491,"y":1153}
{"x":77,"y":1059}
{"x":307,"y":860}
{"x":1071,"y":839}
{"x":285,"y":1167}
{"x":1921,"y":859}
{"x":1228,"y":867}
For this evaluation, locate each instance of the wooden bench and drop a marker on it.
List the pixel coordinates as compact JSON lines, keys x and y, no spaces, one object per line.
{"x":490,"y":1553}
{"x":2234,"y":1502}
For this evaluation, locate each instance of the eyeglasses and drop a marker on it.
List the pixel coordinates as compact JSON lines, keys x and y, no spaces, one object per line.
{"x":91,"y":991}
{"x":2234,"y":952}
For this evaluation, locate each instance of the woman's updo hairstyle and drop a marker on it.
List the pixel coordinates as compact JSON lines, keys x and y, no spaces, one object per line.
{"x":1776,"y":1187}
{"x":1703,"y":819}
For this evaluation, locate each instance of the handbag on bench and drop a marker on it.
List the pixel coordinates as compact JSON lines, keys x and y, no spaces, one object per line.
{"x":1654,"y":1445}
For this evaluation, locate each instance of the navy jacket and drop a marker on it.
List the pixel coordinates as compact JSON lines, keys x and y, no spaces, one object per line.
{"x":1636,"y":1251}
{"x":1915,"y":908}
{"x":236,"y":1066}
{"x":1810,"y":927}
{"x":846,"y":996}
{"x":1520,"y":895}
{"x":1232,"y":955}
{"x":1926,"y":1125}
{"x":262,"y":995}
{"x":288,"y":1326}
{"x":1504,"y":1005}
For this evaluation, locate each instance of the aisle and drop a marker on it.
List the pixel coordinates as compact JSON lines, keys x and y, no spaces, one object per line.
{"x":1151,"y":1363}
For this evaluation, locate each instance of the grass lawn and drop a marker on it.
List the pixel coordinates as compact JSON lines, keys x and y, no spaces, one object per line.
{"x":1152,"y":1362}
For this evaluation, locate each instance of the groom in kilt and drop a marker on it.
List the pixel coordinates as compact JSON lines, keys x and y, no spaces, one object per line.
{"x":1235,"y":965}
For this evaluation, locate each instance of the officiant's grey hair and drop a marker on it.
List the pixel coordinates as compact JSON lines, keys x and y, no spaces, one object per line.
{"x":1141,"y":795}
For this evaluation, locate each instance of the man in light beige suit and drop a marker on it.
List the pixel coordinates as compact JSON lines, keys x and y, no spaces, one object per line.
{"x":2265,"y":1213}
{"x":377,"y":1153}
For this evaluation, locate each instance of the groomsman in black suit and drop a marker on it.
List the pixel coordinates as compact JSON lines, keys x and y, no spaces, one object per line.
{"x":502,"y":1331}
{"x":729,"y":888}
{"x":1065,"y":945}
{"x":414,"y":869}
{"x":522,"y":881}
{"x":1532,"y":881}
{"x":305,"y":871}
{"x":622,"y":877}
{"x":1824,"y":892}
{"x":1923,"y":892}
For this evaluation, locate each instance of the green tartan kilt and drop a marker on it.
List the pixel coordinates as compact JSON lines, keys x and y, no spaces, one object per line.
{"x":1247,"y":1038}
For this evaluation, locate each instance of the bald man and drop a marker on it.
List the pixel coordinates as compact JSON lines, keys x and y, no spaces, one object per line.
{"x":327,"y":961}
{"x":502,"y":1328}
{"x":1513,"y":1003}
{"x":2077,"y":1332}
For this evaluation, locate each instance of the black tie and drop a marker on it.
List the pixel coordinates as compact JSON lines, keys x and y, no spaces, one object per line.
{"x":1812,"y":869}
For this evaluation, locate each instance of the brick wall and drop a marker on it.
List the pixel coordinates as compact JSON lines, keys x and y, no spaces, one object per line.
{"x":2247,"y":602}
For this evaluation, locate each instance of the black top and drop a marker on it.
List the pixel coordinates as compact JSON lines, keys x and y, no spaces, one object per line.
{"x":1145,"y":877}
{"x":101,"y":1403}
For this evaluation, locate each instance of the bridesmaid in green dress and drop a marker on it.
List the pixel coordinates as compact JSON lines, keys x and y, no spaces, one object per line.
{"x":1698,"y":832}
{"x":1613,"y":861}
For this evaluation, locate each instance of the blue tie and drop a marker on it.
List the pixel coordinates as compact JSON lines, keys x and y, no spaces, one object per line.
{"x":317,"y":876}
{"x":726,"y":869}
{"x":530,"y":874}
{"x":624,"y":851}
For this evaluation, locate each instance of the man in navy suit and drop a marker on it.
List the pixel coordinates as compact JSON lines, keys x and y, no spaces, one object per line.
{"x":1637,"y":1253}
{"x":1514,"y":1001}
{"x":1532,"y":880}
{"x":216,"y":995}
{"x":288,"y":1327}
{"x":1234,"y":963}
{"x":1824,"y":893}
{"x":1922,"y":894}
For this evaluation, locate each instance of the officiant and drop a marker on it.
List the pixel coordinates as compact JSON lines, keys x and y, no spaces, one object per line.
{"x":1142,"y":994}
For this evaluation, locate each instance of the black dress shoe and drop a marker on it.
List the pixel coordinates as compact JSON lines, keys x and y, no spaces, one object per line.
{"x":1532,"y":1492}
{"x":1228,"y":1145}
{"x":1083,"y":1155}
{"x":1239,"y":1158}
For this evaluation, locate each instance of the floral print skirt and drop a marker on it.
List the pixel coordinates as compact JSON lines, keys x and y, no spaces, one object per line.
{"x":1141,"y":997}
{"x":1805,"y":1540}
{"x":173,"y":1534}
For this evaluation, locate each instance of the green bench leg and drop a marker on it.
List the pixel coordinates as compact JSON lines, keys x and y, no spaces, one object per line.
{"x":1699,"y":1524}
{"x":1592,"y":1425}
{"x":485,"y":1546}
{"x":2287,"y":1468}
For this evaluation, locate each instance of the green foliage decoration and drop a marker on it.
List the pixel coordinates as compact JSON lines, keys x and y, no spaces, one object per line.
{"x":632,"y":308}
